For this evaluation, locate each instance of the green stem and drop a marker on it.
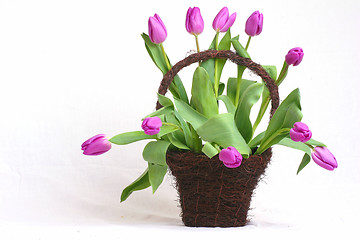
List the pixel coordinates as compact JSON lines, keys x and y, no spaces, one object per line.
{"x":165,"y":57}
{"x":264,"y":146}
{"x":310,"y":146}
{"x":282,"y":74}
{"x":261,"y":113}
{"x":240,"y":72}
{"x":197,"y":45}
{"x":248,"y":43}
{"x":216,"y":79}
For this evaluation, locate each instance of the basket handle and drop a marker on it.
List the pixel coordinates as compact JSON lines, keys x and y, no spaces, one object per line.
{"x":222,"y":54}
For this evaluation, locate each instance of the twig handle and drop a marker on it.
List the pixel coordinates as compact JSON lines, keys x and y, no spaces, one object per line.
{"x":222,"y":54}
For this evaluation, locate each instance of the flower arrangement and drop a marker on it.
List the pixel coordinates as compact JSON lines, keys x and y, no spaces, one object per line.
{"x":220,"y":146}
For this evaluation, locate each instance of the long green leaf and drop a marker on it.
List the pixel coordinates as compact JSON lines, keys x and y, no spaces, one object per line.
{"x":160,"y":112}
{"x":156,"y":54}
{"x":179,"y":135}
{"x":257,"y":140}
{"x":313,"y":142}
{"x":139,"y":184}
{"x":189,"y":114}
{"x":203,"y":96}
{"x":130,"y":137}
{"x":231,"y":89}
{"x":228,"y":104}
{"x":221,"y":129}
{"x":155,"y":152}
{"x":177,"y":143}
{"x":209,"y":65}
{"x":156,"y":175}
{"x":242,"y":116}
{"x":285,"y":116}
{"x":166,"y":129}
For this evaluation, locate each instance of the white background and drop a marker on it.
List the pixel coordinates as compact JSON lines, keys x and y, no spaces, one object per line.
{"x":73,"y":69}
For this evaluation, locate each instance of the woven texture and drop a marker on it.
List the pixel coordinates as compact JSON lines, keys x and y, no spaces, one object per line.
{"x":212,"y":195}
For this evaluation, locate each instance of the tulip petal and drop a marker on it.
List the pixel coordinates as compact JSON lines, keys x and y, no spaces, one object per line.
{"x":90,"y":140}
{"x":98,"y":147}
{"x":220,"y":19}
{"x":230,"y":21}
{"x":187,"y":20}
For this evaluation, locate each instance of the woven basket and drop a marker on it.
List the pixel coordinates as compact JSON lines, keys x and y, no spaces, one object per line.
{"x":210,"y":194}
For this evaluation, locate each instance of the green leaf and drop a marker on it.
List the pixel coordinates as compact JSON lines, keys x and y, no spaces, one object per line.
{"x":305,"y":161}
{"x":221,"y":129}
{"x":160,"y":112}
{"x":139,"y":184}
{"x":174,"y":141}
{"x":228,"y":103}
{"x":313,"y":142}
{"x":287,"y":142}
{"x":203,"y":96}
{"x":186,"y":129}
{"x":240,"y":50}
{"x":166,"y":129}
{"x":170,"y":118}
{"x":156,"y":54}
{"x":156,"y":175}
{"x":271,"y":71}
{"x":189,"y":114}
{"x":221,"y":88}
{"x":231,"y":89}
{"x":164,"y":101}
{"x":209,"y":65}
{"x":155,"y":152}
{"x":257,"y":140}
{"x":248,"y":98}
{"x":284,"y":118}
{"x":130,"y":137}
{"x":209,"y":150}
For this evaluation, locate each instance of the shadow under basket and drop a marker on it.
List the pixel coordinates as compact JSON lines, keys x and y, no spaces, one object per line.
{"x":212,"y":195}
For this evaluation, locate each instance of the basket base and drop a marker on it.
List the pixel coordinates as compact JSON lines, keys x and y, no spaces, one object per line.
{"x":212,"y":195}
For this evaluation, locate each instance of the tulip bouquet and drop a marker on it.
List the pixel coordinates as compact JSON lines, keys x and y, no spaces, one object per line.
{"x":182,"y":124}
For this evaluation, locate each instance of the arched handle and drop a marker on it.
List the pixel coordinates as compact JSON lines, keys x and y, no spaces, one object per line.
{"x":222,"y":54}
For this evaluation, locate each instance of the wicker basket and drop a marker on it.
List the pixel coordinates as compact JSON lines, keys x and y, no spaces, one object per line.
{"x":210,"y":194}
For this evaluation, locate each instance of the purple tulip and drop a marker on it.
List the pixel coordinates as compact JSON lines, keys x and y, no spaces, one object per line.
{"x":157,"y":29}
{"x":230,"y":157}
{"x":222,"y":21}
{"x":194,"y":22}
{"x":254,"y":24}
{"x":294,"y":56}
{"x":324,"y":158}
{"x":300,"y":132}
{"x":96,"y":145}
{"x":151,"y":125}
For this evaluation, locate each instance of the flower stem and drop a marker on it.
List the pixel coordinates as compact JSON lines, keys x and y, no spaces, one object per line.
{"x":248,"y":43}
{"x":165,"y":57}
{"x":282,"y":74}
{"x":216,"y":79}
{"x":197,"y":45}
{"x":310,"y":146}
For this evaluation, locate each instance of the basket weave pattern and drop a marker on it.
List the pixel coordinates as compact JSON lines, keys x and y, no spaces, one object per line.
{"x":212,"y":195}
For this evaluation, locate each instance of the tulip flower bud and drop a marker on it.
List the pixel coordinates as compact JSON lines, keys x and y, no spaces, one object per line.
{"x":96,"y":145}
{"x":254,"y":24}
{"x":151,"y":125}
{"x":230,"y":157}
{"x":222,"y":21}
{"x":294,"y":56}
{"x":300,"y":132}
{"x":324,"y":158}
{"x":194,"y":22}
{"x":157,"y":29}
